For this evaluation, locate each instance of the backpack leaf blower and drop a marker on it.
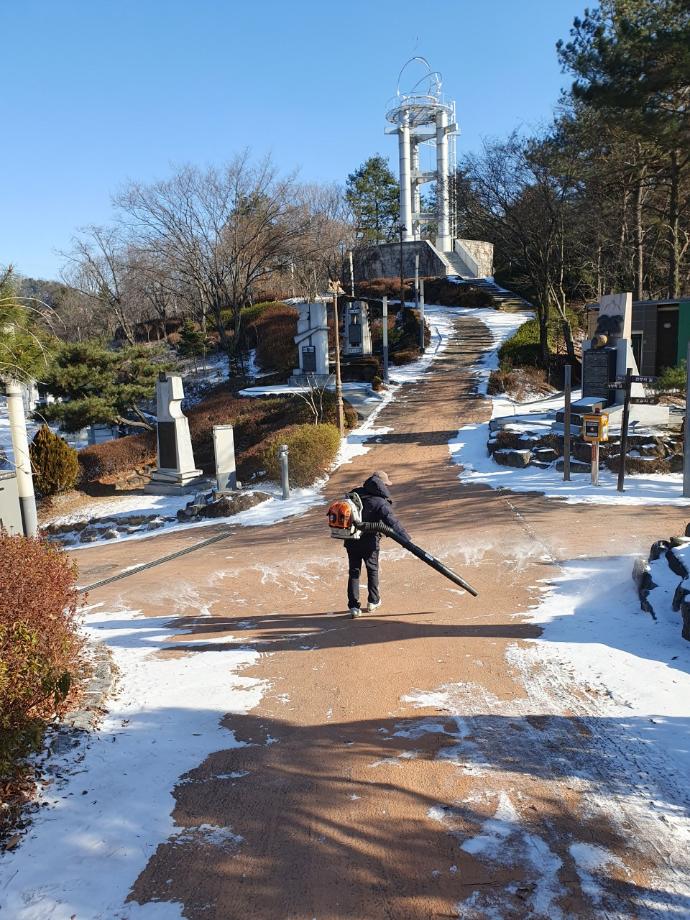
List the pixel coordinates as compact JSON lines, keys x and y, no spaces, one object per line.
{"x":345,"y":521}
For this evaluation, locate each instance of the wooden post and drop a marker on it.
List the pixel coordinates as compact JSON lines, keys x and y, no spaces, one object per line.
{"x":421,"y":315}
{"x":385,"y":340}
{"x":624,"y":430}
{"x":686,"y":435}
{"x":595,"y":463}
{"x":566,"y":424}
{"x":338,"y":379}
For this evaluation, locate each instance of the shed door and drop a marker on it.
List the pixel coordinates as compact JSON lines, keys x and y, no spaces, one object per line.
{"x":666,"y":339}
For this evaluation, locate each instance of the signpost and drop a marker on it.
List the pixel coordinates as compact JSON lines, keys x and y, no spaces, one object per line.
{"x":626,"y":384}
{"x":624,"y":430}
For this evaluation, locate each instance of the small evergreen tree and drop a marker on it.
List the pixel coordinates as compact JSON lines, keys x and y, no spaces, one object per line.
{"x":372,"y":192}
{"x":191,"y":343}
{"x":53,"y":461}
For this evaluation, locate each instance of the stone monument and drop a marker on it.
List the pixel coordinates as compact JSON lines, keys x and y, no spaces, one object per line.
{"x":357,"y":332}
{"x":609,"y":352}
{"x":176,"y":471}
{"x":312,"y":344}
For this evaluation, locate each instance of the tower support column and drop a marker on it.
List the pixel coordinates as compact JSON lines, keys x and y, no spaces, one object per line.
{"x":443,"y":238}
{"x":405,"y":180}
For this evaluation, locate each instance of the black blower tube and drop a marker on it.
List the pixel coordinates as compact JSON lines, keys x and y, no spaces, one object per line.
{"x":370,"y":527}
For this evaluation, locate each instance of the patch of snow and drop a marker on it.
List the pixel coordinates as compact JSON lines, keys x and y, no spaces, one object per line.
{"x":504,"y":841}
{"x":502,"y":327}
{"x":165,"y":721}
{"x":469,"y":449}
{"x":590,"y":859}
{"x":125,"y":505}
{"x":594,"y":628}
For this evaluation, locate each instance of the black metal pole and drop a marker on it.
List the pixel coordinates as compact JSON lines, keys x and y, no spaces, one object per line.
{"x":624,"y":430}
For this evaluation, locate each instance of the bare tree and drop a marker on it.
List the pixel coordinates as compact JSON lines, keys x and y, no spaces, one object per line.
{"x":223,"y":230}
{"x":97,"y":266}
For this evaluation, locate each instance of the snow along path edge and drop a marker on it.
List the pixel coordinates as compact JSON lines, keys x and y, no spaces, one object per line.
{"x":468,"y":448}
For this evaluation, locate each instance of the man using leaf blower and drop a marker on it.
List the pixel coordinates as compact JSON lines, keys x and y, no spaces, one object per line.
{"x":376,"y":508}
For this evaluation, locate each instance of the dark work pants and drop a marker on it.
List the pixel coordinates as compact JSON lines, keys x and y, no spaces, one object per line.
{"x":358,"y":554}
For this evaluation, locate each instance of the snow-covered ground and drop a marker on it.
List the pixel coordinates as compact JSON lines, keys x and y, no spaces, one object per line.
{"x":112,"y":806}
{"x":605,"y":709}
{"x":469,"y":450}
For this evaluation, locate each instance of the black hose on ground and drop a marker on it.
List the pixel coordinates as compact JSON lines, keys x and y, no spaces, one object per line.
{"x":436,"y":564}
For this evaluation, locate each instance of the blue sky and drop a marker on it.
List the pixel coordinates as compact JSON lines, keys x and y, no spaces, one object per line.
{"x":96,"y":92}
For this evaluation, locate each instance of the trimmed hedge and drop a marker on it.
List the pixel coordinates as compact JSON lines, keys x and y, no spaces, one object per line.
{"x":101,"y":462}
{"x":312,"y":450}
{"x":53,"y":462}
{"x":40,"y":649}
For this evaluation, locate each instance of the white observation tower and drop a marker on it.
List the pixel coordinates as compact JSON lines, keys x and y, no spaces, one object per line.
{"x":422,"y":117}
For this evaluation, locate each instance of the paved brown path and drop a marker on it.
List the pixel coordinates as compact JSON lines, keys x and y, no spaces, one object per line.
{"x":348,"y":807}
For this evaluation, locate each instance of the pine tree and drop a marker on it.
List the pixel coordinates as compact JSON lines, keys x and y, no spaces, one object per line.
{"x":101,"y":386}
{"x":631,"y":60}
{"x":191,"y":343}
{"x":24,"y":346}
{"x":372,"y":192}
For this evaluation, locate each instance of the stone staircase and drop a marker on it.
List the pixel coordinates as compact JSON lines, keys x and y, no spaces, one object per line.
{"x":504,"y":300}
{"x":455,"y":264}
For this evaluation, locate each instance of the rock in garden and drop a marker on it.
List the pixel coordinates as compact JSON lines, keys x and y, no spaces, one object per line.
{"x":516,"y":458}
{"x":228,"y":505}
{"x":576,"y":466}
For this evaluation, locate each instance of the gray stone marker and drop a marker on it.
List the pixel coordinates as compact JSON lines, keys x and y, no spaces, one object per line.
{"x":357,"y":332}
{"x":176,"y":471}
{"x":312,"y":344}
{"x":224,"y":450}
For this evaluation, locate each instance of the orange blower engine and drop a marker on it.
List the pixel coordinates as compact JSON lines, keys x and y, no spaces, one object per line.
{"x":345,"y":516}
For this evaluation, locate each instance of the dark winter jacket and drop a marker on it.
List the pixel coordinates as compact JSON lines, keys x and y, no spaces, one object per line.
{"x":377,"y":505}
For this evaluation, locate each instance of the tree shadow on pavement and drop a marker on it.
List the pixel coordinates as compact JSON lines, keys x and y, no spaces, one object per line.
{"x":328,"y":821}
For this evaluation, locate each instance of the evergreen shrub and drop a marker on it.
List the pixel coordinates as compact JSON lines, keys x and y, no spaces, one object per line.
{"x":53,"y":461}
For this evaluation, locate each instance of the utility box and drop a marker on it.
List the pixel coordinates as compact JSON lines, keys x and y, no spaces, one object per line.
{"x":595,"y":427}
{"x":10,"y":510}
